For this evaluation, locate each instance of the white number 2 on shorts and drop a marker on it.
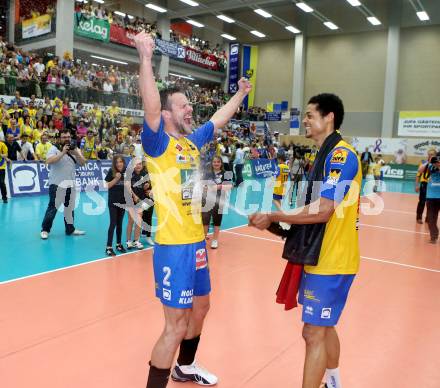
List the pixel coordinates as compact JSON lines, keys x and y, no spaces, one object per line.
{"x":167,"y":272}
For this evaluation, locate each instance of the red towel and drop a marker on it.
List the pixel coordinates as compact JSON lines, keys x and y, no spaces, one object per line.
{"x":289,"y":285}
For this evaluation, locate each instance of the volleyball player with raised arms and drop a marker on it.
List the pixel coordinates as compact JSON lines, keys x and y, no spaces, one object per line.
{"x":180,"y":260}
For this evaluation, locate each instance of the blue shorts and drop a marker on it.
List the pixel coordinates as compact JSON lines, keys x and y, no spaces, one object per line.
{"x":323,"y":297}
{"x":181,"y":272}
{"x":277,"y":197}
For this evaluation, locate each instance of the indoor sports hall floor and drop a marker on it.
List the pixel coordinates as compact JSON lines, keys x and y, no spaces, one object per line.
{"x":70,"y":318}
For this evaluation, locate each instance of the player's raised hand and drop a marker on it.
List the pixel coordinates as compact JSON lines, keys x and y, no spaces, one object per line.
{"x":244,"y":85}
{"x":144,"y":45}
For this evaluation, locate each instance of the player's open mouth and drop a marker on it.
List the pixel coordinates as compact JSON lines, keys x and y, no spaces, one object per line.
{"x":188,"y":120}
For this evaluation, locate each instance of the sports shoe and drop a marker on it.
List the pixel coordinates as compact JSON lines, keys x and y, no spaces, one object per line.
{"x":137,"y":244}
{"x":130,"y":244}
{"x":120,"y":248}
{"x":78,"y":232}
{"x":44,"y":235}
{"x":194,"y":373}
{"x":110,"y":252}
{"x":149,"y":241}
{"x":214,"y":244}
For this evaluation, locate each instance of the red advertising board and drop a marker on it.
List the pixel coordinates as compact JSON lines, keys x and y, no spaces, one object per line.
{"x":198,"y":58}
{"x":121,"y":35}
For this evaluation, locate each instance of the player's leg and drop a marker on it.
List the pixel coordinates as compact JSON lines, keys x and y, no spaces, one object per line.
{"x":162,"y":356}
{"x":333,"y":347}
{"x":316,"y":355}
{"x":187,"y":368}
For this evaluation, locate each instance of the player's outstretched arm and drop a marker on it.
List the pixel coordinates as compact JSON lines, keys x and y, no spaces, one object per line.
{"x":223,"y":115}
{"x":147,"y":84}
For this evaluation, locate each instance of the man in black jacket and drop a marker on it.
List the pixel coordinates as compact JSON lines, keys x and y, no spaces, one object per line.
{"x":366,"y":159}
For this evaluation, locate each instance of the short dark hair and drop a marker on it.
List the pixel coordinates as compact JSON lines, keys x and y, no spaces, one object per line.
{"x":328,"y":102}
{"x":165,"y":94}
{"x":65,"y":132}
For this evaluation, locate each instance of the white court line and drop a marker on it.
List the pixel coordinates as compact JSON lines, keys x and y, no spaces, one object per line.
{"x":395,"y":229}
{"x":90,"y":262}
{"x":399,"y":211}
{"x":363,"y":257}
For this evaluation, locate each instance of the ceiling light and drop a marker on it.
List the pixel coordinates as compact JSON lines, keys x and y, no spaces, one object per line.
{"x":156,"y":8}
{"x":230,"y":37}
{"x":194,"y":23}
{"x":263,"y":13}
{"x":258,"y":33}
{"x":190,"y":2}
{"x":109,"y":60}
{"x":374,"y":21}
{"x":331,"y":25}
{"x":354,"y":3}
{"x":225,"y":18}
{"x":182,"y":76}
{"x":99,"y":1}
{"x":123,"y":14}
{"x":304,"y":7}
{"x":423,"y":16}
{"x":293,"y":29}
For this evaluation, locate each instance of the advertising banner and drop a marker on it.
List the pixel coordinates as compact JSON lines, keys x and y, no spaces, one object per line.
{"x":36,"y":26}
{"x":263,"y":168}
{"x":93,"y":28}
{"x":32,"y":178}
{"x":419,"y":123}
{"x":234,"y":49}
{"x":200,"y":59}
{"x":121,"y":35}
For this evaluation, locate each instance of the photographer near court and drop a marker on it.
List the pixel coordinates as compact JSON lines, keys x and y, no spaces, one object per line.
{"x":62,"y":164}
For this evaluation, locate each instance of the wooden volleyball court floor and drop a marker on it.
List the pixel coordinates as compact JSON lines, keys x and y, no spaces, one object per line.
{"x":94,"y":325}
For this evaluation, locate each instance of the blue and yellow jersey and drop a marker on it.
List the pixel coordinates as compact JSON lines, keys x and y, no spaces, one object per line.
{"x":88,"y":148}
{"x":3,"y":151}
{"x":342,"y":182}
{"x":173,"y":166}
{"x":282,"y":177}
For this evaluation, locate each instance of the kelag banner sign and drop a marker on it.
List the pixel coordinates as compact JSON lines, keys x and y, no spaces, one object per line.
{"x":234,"y":70}
{"x":32,"y":178}
{"x":93,"y":28}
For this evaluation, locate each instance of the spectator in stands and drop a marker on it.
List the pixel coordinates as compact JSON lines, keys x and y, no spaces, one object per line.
{"x":43,"y":148}
{"x":14,"y":149}
{"x":88,"y":146}
{"x":13,"y":130}
{"x":27,"y":150}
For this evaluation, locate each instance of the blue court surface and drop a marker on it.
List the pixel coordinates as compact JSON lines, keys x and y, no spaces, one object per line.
{"x":23,"y":253}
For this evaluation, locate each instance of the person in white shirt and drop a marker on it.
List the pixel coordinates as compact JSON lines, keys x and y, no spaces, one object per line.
{"x":39,"y":67}
{"x":138,"y":149}
{"x":27,"y":149}
{"x":239,"y":164}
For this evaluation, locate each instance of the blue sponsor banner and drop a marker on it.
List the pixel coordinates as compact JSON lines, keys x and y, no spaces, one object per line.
{"x":263,"y":168}
{"x":284,"y":106}
{"x":32,"y":178}
{"x":171,"y":49}
{"x":234,"y":70}
{"x":294,"y":121}
{"x":272,"y":116}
